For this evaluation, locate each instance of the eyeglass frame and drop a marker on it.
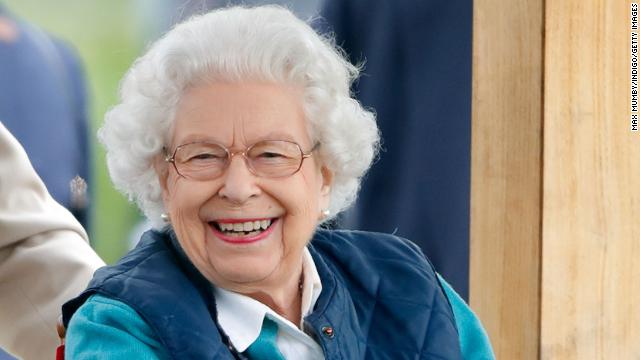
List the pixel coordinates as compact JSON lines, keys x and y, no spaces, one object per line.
{"x":231,"y":154}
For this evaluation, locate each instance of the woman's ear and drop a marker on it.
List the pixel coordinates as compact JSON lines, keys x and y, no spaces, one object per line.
{"x":161,"y":168}
{"x":325,"y":189}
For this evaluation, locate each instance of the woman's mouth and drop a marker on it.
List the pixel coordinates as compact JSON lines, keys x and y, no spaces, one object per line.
{"x":242,"y":230}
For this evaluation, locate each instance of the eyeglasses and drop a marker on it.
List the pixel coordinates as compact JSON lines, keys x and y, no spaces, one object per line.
{"x":268,"y":158}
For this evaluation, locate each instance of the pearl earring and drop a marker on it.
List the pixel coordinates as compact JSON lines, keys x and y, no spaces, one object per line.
{"x":164,"y":217}
{"x":326,"y":213}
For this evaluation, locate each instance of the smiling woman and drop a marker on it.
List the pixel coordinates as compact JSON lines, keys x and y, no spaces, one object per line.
{"x":234,"y":191}
{"x":237,"y":136}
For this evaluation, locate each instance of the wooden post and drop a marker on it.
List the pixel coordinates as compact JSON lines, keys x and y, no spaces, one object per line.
{"x":555,"y":203}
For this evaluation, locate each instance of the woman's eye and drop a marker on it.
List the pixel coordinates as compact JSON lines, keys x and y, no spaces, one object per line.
{"x":270,"y":155}
{"x":204,"y":156}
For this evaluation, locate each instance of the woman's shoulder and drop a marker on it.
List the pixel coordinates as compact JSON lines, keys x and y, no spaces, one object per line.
{"x":370,"y":244}
{"x":105,"y":328}
{"x":377,"y":263}
{"x":393,"y":271}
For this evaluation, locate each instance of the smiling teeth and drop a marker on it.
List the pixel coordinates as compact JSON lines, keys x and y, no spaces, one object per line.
{"x":248,"y":226}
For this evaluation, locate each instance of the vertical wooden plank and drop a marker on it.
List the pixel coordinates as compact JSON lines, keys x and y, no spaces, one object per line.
{"x":506,"y":173}
{"x":591,"y":206}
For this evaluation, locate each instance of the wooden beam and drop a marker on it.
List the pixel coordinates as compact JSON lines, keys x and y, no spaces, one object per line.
{"x":591,"y":212}
{"x":506,"y":176}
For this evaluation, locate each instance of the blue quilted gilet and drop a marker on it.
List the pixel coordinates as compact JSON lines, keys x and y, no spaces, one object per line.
{"x":380,"y":298}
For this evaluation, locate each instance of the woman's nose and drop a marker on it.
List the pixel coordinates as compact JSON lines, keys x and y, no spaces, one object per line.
{"x":238,"y":182}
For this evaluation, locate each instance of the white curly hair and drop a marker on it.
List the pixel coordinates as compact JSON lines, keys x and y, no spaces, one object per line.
{"x":266,"y":43}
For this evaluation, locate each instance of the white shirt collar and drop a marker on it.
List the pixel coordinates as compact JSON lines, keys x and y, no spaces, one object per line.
{"x":311,"y":286}
{"x":241,"y":316}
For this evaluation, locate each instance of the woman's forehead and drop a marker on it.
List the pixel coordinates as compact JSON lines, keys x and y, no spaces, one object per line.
{"x":202,"y":136}
{"x":240,"y":114}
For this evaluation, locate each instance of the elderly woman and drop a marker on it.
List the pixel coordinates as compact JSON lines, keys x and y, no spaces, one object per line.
{"x":237,"y":136}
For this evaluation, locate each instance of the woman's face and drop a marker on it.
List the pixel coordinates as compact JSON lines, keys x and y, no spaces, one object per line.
{"x":238,"y":115}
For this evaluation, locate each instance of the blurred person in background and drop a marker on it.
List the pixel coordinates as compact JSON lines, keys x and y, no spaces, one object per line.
{"x":417,"y":76}
{"x":43,"y":103}
{"x":237,"y":135}
{"x":45,"y":257}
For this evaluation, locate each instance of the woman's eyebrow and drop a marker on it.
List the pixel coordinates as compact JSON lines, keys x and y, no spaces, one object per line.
{"x":196,"y":137}
{"x":272,"y":135}
{"x":276,"y":135}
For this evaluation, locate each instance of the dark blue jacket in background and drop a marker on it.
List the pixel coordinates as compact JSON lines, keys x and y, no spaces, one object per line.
{"x":417,"y":77}
{"x":43,"y":104}
{"x":379,"y":294}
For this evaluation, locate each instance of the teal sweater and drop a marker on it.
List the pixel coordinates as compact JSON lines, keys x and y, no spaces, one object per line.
{"x":104,"y":328}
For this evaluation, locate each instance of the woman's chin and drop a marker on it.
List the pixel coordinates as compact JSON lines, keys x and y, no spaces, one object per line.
{"x":236,"y":277}
{"x":239,"y":264}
